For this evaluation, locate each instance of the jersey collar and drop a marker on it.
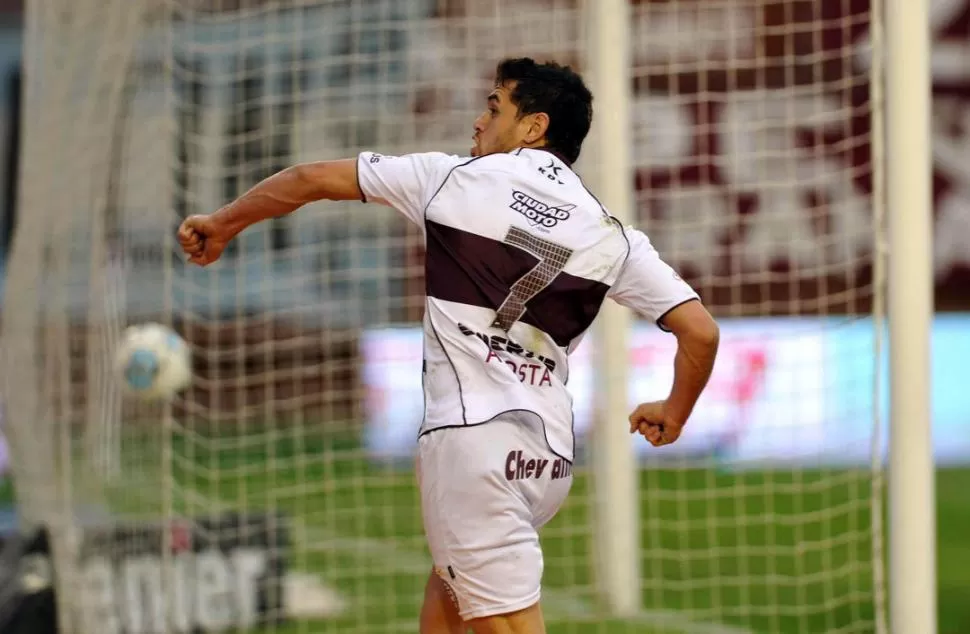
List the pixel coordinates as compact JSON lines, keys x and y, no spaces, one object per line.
{"x":559,"y":156}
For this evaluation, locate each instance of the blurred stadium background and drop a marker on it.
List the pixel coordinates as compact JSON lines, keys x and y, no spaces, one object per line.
{"x":278,"y":493}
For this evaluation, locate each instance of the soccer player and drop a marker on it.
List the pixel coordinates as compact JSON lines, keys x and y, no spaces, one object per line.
{"x":520,"y":257}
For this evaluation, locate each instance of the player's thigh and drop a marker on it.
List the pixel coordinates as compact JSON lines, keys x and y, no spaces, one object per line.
{"x":479,"y":528}
{"x":439,"y":612}
{"x":480,"y":498}
{"x":526,"y":621}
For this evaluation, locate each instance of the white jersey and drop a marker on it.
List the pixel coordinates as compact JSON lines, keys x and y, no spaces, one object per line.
{"x":519,"y":259}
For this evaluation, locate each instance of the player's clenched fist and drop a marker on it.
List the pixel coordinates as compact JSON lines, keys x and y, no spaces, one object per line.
{"x":203,"y":239}
{"x":653,"y":423}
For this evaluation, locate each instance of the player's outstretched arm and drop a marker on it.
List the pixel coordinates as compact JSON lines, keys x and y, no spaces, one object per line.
{"x":203,"y":238}
{"x":697,"y":342}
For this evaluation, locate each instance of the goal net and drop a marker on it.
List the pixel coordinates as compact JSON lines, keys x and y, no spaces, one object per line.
{"x":277,"y":493}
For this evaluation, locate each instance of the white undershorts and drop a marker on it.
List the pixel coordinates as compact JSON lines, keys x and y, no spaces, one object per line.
{"x":485,"y":490}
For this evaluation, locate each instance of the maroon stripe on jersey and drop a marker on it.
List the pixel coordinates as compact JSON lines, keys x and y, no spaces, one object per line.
{"x":468,"y":268}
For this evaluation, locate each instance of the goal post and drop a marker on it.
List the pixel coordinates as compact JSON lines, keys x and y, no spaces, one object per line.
{"x":53,"y":262}
{"x":912,"y":516}
{"x":615,"y":482}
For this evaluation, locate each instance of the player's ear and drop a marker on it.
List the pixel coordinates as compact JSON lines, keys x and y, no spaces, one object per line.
{"x":538,"y":125}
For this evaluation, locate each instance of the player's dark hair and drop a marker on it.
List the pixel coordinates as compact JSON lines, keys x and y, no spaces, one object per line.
{"x":556,"y":90}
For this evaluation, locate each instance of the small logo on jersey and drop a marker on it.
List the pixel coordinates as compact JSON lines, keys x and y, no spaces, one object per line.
{"x":519,"y":467}
{"x":551,"y":171}
{"x":376,"y":158}
{"x":538,"y":213}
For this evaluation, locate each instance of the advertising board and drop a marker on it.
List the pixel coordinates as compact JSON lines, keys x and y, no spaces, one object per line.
{"x":227,"y":572}
{"x":784,"y":390}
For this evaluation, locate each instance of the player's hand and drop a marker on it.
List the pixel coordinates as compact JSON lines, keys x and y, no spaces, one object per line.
{"x":203,"y":239}
{"x":653,"y":422}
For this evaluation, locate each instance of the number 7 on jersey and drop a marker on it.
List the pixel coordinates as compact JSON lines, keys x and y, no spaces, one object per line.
{"x":552,"y":260}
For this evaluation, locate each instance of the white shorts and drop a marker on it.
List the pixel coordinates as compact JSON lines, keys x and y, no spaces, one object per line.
{"x":485,"y":490}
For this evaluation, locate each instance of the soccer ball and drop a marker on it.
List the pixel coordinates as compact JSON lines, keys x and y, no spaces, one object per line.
{"x":153,"y":362}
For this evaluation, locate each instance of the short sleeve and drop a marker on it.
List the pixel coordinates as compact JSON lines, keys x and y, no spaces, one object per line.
{"x":648,"y":285}
{"x":405,"y":182}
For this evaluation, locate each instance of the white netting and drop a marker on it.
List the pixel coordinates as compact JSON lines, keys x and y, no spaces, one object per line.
{"x":278,"y":490}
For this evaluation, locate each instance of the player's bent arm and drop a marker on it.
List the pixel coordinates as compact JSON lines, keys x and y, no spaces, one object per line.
{"x":288,"y":190}
{"x":697,"y":341}
{"x":651,"y":288}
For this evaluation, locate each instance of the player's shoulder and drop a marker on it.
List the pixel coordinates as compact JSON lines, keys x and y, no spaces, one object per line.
{"x":420,"y":158}
{"x":440,"y":157}
{"x":512,"y":161}
{"x":641,"y":247}
{"x":636,"y":238}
